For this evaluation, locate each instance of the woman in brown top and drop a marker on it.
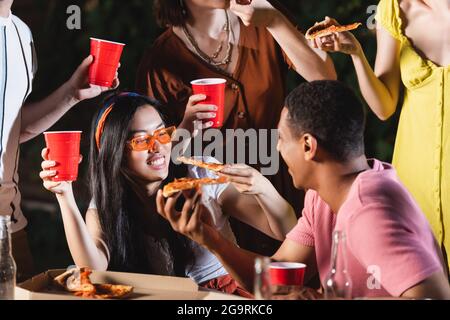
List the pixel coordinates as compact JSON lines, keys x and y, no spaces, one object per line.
{"x":252,"y":47}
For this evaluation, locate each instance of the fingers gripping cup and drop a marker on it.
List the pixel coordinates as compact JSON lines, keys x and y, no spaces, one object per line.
{"x":286,"y":276}
{"x":64,"y":149}
{"x":214,"y":89}
{"x":106,"y":61}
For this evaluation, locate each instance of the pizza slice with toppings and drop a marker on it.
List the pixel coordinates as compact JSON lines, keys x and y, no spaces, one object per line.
{"x":198,"y":163}
{"x":77,"y":281}
{"x":321,"y":30}
{"x":189,"y":183}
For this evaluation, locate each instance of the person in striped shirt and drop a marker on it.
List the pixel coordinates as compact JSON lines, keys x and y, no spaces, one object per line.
{"x":21,"y":121}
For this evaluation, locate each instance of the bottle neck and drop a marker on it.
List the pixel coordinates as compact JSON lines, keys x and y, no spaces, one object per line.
{"x":262,"y":288}
{"x":339,"y":254}
{"x":5,"y":236}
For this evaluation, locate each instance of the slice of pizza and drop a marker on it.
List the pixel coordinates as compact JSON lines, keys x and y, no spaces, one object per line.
{"x":86,"y":285}
{"x":189,"y":183}
{"x":321,"y":30}
{"x":112,"y":291}
{"x":198,"y":163}
{"x":76,"y":280}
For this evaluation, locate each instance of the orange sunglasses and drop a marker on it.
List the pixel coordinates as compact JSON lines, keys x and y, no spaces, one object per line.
{"x":147,"y":141}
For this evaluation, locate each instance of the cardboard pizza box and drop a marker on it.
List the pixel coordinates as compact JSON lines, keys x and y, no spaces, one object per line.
{"x":146,"y":287}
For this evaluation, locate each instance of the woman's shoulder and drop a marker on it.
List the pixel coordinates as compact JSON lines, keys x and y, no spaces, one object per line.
{"x":405,"y":6}
{"x":157,"y":62}
{"x":165,"y":39}
{"x":262,"y":45}
{"x":389,"y":16}
{"x":255,"y":36}
{"x":395,"y":5}
{"x":162,"y":47}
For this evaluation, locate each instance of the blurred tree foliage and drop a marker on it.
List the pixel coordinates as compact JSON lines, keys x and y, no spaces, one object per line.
{"x":60,"y":50}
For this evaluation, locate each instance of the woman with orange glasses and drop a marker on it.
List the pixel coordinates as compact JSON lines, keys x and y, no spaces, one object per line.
{"x":130,"y":152}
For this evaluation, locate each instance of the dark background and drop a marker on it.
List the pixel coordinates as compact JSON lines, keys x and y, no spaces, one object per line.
{"x":60,"y":51}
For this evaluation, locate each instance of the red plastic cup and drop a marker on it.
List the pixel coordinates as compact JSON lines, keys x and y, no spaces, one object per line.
{"x":64,"y":149}
{"x":287,"y":273}
{"x":214,"y":89}
{"x":106,"y":61}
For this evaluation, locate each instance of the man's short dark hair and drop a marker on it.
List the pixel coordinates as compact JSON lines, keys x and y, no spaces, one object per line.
{"x":332,"y":113}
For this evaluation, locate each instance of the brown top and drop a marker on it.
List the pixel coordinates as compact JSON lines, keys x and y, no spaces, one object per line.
{"x":254,"y":93}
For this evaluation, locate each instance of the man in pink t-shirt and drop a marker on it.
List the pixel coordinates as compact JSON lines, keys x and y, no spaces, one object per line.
{"x":390,"y":247}
{"x":391,"y":250}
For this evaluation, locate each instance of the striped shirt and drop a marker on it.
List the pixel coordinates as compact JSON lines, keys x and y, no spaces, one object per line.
{"x":17,"y":69}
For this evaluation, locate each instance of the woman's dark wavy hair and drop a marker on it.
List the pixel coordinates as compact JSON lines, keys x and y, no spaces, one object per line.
{"x":117,"y":196}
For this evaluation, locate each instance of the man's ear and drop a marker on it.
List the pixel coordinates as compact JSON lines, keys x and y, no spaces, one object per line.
{"x":309,"y":146}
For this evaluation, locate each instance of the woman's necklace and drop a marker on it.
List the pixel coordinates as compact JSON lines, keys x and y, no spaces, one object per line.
{"x":211,"y":59}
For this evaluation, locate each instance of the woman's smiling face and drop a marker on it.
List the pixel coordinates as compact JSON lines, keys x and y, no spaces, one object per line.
{"x":149,"y":165}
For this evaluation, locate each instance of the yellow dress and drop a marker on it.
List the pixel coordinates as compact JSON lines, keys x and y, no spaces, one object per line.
{"x":422,"y":146}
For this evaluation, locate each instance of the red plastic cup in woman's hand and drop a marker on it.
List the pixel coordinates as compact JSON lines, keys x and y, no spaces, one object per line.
{"x":214,"y":89}
{"x":106,"y":61}
{"x":64,"y":149}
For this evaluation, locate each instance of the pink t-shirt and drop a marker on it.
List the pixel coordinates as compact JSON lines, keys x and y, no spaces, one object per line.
{"x":390,"y":246}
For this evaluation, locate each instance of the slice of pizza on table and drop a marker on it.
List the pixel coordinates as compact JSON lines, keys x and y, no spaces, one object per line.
{"x":77,"y":281}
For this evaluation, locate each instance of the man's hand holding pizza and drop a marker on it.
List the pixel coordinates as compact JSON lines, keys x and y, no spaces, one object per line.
{"x":246,"y":179}
{"x":193,"y":221}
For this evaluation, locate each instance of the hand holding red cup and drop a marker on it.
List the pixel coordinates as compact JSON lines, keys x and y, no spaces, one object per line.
{"x":106,"y":61}
{"x":64,"y":149}
{"x":214,"y":90}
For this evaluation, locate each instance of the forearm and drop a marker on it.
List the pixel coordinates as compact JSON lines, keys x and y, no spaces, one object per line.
{"x":309,"y":63}
{"x":280,"y":214}
{"x":238,"y":262}
{"x":41,"y":115}
{"x":81,"y":245}
{"x":374,"y":91}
